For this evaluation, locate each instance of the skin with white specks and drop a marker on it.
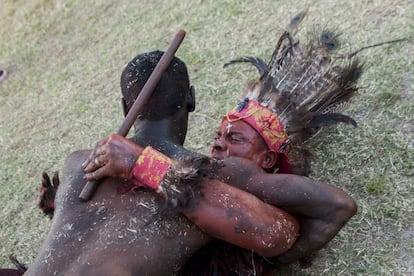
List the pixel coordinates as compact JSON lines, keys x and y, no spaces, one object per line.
{"x":100,"y":236}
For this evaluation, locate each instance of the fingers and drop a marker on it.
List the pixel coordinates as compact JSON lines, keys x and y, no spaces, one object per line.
{"x":98,"y":150}
{"x":95,"y":175}
{"x":95,"y":160}
{"x":89,"y":160}
{"x":113,"y":156}
{"x":96,"y":168}
{"x":96,"y":163}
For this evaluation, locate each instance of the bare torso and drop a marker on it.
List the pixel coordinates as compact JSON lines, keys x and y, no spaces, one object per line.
{"x":113,"y":234}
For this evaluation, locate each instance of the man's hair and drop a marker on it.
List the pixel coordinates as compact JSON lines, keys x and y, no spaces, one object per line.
{"x":170,"y":93}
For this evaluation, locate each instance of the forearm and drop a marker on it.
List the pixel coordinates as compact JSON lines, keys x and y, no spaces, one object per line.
{"x":309,"y":198}
{"x":239,"y":218}
{"x":295,"y":194}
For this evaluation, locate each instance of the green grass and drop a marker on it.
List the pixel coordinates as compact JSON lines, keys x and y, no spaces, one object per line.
{"x":64,"y":60}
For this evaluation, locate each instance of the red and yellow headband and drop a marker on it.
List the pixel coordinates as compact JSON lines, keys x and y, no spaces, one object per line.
{"x":264,"y":121}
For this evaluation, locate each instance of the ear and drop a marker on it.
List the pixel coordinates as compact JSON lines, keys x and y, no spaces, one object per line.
{"x":191,"y":99}
{"x":124,"y":107}
{"x":269,"y":160}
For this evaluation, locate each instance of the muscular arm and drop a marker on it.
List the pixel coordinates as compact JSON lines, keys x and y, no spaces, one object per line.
{"x":323,"y":209}
{"x":240,"y":218}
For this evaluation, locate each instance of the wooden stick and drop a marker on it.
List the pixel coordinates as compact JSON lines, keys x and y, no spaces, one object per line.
{"x":141,"y":100}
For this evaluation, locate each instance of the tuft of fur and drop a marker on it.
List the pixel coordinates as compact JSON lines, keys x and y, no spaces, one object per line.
{"x":47,"y":194}
{"x":181,"y":184}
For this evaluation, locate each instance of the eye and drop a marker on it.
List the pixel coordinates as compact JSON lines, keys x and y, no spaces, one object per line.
{"x":235,"y":138}
{"x":218,"y":135}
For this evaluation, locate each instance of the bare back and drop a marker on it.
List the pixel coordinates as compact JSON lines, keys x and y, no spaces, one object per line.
{"x":113,"y":234}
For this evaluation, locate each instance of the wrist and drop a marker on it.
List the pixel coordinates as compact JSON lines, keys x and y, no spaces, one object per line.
{"x":178,"y":181}
{"x":150,"y":169}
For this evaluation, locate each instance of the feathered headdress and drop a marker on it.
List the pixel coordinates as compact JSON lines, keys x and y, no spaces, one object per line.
{"x":300,"y":90}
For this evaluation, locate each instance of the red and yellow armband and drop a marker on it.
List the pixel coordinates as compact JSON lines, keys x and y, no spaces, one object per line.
{"x":150,"y":169}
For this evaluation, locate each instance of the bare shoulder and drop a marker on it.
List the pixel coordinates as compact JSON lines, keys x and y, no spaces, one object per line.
{"x":72,"y":178}
{"x":74,"y":160}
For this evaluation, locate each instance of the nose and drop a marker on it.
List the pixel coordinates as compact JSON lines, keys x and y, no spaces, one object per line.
{"x":219,"y":146}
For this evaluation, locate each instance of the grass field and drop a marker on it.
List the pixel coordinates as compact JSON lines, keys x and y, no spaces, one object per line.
{"x":64,"y":60}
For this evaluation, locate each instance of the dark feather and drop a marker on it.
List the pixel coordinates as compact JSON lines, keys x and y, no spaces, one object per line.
{"x":282,"y":49}
{"x":376,"y":45}
{"x":329,"y":119}
{"x":295,"y":21}
{"x":351,"y":73}
{"x":329,"y":40}
{"x":260,"y":65}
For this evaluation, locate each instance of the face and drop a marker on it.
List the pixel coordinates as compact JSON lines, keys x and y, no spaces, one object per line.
{"x":240,"y":140}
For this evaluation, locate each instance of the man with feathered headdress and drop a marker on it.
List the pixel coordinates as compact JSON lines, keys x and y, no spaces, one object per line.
{"x":300,"y":91}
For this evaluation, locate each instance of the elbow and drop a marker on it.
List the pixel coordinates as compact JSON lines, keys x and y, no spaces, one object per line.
{"x":271,"y":247}
{"x":349,"y":207}
{"x":346,"y":208}
{"x":276,"y":240}
{"x":352,"y":208}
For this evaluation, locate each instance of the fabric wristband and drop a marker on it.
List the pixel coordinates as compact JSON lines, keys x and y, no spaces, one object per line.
{"x":150,"y":169}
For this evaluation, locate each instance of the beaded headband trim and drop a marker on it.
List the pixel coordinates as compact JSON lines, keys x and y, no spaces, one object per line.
{"x":263,"y":120}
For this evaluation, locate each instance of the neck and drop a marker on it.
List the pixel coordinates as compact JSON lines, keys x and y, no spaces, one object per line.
{"x":169,"y":130}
